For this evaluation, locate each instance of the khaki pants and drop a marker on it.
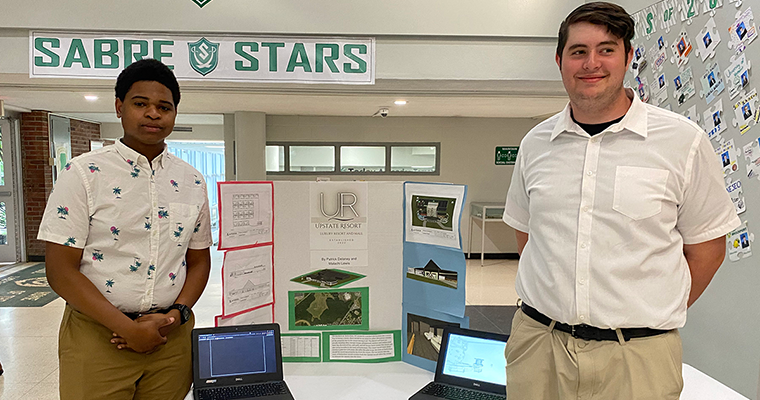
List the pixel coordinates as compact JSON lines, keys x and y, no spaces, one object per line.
{"x":92,"y":368}
{"x":553,"y":365}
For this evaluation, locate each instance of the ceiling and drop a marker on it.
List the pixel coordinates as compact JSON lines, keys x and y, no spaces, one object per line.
{"x":204,"y":102}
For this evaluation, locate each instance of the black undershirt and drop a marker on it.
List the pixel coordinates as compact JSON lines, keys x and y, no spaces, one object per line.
{"x":593,"y":129}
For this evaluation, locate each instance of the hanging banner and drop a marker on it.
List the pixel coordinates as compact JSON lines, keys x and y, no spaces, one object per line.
{"x":208,"y":58}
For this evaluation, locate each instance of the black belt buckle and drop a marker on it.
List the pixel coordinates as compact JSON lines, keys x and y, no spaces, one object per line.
{"x":586,"y":332}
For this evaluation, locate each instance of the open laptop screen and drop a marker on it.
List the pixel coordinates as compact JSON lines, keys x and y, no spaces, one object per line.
{"x":475,"y":359}
{"x":237,"y":354}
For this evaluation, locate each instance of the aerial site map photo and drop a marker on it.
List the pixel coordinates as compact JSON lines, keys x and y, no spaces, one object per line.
{"x":329,"y":309}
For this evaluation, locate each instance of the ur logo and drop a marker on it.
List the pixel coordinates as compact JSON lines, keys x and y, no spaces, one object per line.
{"x":204,"y":56}
{"x":345,"y":200}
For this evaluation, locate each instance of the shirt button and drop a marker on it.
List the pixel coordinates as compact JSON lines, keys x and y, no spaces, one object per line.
{"x":582,"y":282}
{"x":582,"y":317}
{"x":585,"y":209}
{"x":583,"y":245}
{"x":589,"y":173}
{"x":582,"y":345}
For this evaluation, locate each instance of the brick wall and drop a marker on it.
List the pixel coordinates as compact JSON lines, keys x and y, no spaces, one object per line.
{"x":81,"y":134}
{"x":37,"y":173}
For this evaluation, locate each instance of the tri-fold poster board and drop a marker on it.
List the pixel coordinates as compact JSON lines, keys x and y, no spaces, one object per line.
{"x":361,"y":271}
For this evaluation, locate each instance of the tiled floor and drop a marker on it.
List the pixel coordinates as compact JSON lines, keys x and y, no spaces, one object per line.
{"x":29,"y":336}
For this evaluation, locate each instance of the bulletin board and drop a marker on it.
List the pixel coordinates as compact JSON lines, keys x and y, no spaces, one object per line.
{"x":697,"y":58}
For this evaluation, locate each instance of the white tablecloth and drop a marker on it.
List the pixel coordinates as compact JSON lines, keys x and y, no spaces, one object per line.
{"x":398,"y":381}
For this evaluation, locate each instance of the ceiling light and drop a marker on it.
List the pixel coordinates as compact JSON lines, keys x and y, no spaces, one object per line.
{"x":90,"y":98}
{"x":400,"y":102}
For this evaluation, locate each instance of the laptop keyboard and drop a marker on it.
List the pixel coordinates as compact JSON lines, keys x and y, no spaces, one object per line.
{"x":244,"y":391}
{"x":457,"y":393}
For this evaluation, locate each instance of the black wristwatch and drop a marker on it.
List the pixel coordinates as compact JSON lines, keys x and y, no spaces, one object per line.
{"x":184,"y":312}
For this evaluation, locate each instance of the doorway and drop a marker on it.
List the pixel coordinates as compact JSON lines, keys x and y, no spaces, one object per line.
{"x":9,"y":217}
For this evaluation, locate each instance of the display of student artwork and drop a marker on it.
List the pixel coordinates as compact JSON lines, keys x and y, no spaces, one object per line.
{"x":659,"y":89}
{"x":642,"y":88}
{"x":667,"y":14}
{"x":328,"y":278}
{"x":681,"y":49}
{"x":692,"y":114}
{"x":433,"y":213}
{"x":709,"y":6}
{"x":639,"y":62}
{"x":245,"y":214}
{"x":658,"y":54}
{"x":734,"y":190}
{"x":247,"y":279}
{"x":338,"y":224}
{"x":740,"y":243}
{"x":707,"y":40}
{"x":746,"y":112}
{"x":713,"y":121}
{"x":737,"y":75}
{"x":344,"y":309}
{"x":752,"y":158}
{"x":433,"y":274}
{"x":728,"y":155}
{"x":712,"y":83}
{"x":423,"y":332}
{"x":742,"y":32}
{"x":688,"y":10}
{"x":261,"y":315}
{"x":684,"y":86}
{"x":363,"y":347}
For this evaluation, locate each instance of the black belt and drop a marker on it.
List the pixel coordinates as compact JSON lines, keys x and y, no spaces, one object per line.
{"x":587,"y":332}
{"x":133,"y":315}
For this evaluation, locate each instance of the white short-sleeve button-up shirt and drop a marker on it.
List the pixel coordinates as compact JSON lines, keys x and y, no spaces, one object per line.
{"x":135,"y":221}
{"x":607,"y":217}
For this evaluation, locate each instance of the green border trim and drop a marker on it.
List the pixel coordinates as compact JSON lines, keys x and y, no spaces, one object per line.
{"x":396,"y":346}
{"x":355,"y":277}
{"x":365,"y":311}
{"x":304,"y":359}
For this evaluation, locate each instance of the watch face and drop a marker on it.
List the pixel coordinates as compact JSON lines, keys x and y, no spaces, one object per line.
{"x":186,"y":313}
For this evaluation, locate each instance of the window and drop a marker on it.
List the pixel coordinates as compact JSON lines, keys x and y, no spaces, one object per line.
{"x":353,"y":158}
{"x":275,"y":158}
{"x":312,"y":158}
{"x":362,"y":159}
{"x":413,"y":158}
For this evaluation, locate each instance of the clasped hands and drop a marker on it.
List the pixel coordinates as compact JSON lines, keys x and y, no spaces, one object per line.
{"x":147,"y":333}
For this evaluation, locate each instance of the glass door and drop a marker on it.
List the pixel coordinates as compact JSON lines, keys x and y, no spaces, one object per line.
{"x":7,"y":212}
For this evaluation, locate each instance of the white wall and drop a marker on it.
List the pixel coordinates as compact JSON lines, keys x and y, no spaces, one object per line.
{"x":467,"y":155}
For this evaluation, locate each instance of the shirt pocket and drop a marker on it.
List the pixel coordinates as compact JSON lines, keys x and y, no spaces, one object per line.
{"x":182,"y":219}
{"x":639,"y":191}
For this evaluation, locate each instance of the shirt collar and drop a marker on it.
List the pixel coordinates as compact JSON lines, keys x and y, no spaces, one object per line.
{"x":130,"y":154}
{"x":635,"y":120}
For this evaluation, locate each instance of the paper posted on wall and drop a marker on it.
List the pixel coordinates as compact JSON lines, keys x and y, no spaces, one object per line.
{"x":245,"y":214}
{"x":247,"y":279}
{"x":433,"y":213}
{"x":739,"y":243}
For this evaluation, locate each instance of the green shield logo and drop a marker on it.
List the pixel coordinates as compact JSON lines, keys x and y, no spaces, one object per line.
{"x":204,"y":56}
{"x":201,"y":3}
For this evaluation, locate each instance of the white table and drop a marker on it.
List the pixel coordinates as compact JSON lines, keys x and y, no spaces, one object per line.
{"x":399,"y":380}
{"x":482,"y":209}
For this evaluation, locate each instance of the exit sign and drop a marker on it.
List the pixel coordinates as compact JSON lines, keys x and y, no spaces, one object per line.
{"x":506,"y":155}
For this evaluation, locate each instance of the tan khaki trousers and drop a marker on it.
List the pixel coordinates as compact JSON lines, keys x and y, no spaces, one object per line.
{"x":545,"y":364}
{"x":92,"y":368}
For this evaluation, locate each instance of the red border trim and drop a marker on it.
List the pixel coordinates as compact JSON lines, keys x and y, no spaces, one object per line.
{"x":224,"y":312}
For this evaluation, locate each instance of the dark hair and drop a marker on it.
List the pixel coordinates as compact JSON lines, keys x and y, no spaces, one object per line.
{"x":146,"y":70}
{"x":612,"y":16}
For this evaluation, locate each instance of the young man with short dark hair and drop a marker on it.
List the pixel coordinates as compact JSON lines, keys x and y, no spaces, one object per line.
{"x":620,"y":211}
{"x":128,"y":235}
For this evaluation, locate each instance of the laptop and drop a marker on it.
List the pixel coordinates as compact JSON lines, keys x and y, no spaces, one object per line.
{"x":238,"y":362}
{"x":471,"y":365}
